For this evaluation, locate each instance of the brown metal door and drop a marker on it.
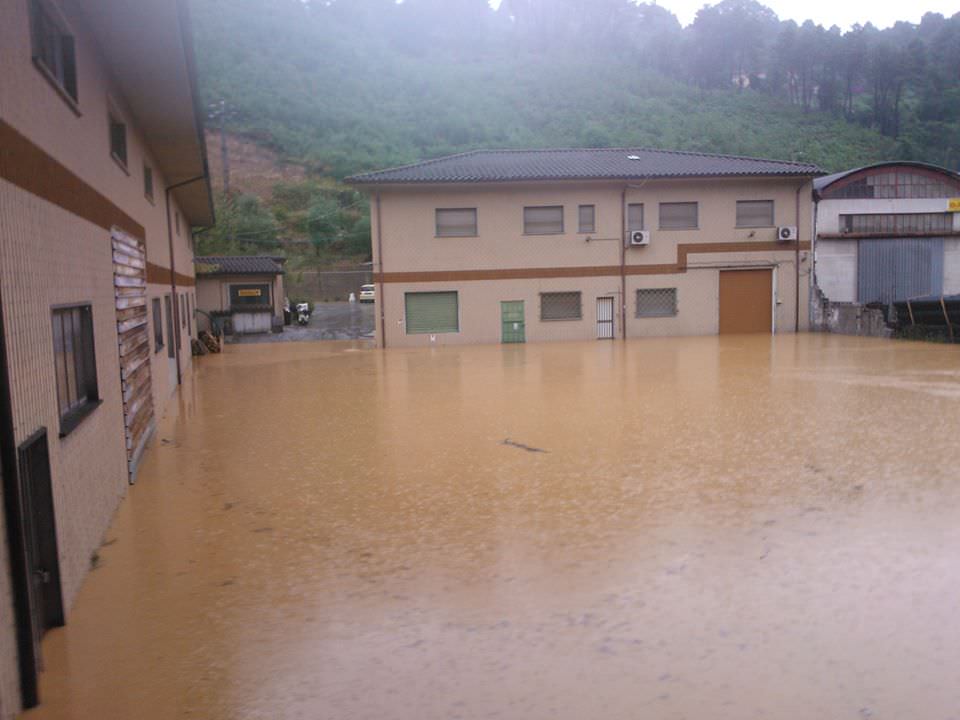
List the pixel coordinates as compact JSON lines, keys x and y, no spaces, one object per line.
{"x":746,"y":301}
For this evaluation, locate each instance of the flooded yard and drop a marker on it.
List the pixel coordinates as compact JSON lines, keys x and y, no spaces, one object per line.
{"x":724,"y":528}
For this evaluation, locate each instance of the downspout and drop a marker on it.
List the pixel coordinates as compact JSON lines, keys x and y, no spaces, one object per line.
{"x":623,"y":262}
{"x":380,"y":297}
{"x":173,"y":271}
{"x":796,"y":265}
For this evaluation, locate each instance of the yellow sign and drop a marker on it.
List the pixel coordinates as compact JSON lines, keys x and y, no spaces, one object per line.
{"x":953,"y":205}
{"x":256,"y":292}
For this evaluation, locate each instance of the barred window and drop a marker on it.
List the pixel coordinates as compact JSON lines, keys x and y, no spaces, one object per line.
{"x":754,"y":213}
{"x":893,"y":184}
{"x":634,"y":217}
{"x":587,"y":219}
{"x":53,"y":48}
{"x":656,"y":302}
{"x":456,"y":222}
{"x":678,"y":216}
{"x":75,"y":364}
{"x":543,"y":220}
{"x":560,"y":306}
{"x":893,"y":223}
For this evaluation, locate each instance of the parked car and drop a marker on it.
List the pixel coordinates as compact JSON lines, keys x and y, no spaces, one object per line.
{"x":368,"y":293}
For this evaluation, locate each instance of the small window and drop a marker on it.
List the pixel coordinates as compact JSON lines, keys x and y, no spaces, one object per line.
{"x":587,"y":219}
{"x":754,"y":213}
{"x":118,"y":140}
{"x":678,"y":216}
{"x":656,"y":302}
{"x":543,"y":220}
{"x":190,"y":315}
{"x":75,"y":364}
{"x":456,"y":222}
{"x":54,"y":51}
{"x":432,"y":312}
{"x":183,"y":310}
{"x":560,"y":306}
{"x":148,"y":182}
{"x":168,"y":308}
{"x":634,"y":217}
{"x":157,"y":326}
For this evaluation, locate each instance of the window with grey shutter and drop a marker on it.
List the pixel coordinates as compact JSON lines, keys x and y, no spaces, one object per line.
{"x":678,"y":216}
{"x":587,"y":222}
{"x":634,"y":217}
{"x":432,"y":312}
{"x":754,"y":213}
{"x":560,"y":306}
{"x":656,"y":302}
{"x":456,"y":222}
{"x":543,"y":220}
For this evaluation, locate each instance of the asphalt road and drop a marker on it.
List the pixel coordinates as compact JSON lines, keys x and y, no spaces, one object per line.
{"x":329,"y":321}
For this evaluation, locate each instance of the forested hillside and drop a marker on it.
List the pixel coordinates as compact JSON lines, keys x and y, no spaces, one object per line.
{"x":343,"y":86}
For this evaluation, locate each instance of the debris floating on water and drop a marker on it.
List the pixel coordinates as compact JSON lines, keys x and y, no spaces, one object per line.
{"x":511,"y":443}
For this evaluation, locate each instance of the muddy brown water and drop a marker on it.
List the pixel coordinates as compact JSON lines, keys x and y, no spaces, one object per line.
{"x":718,"y":528}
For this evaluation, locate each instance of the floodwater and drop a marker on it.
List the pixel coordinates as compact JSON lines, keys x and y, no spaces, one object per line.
{"x":723,"y":528}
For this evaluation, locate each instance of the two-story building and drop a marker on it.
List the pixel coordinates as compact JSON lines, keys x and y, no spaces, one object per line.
{"x":518,"y":245}
{"x":102,"y":175}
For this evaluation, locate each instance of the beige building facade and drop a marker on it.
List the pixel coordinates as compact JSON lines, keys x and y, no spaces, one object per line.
{"x":247,"y":290}
{"x":552,"y":259}
{"x":102,"y":175}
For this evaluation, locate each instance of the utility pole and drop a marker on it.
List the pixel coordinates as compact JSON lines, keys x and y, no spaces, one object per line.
{"x":219,"y":111}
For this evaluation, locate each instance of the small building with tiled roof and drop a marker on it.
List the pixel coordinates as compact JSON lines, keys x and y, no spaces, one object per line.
{"x":244,"y":293}
{"x":572,"y":244}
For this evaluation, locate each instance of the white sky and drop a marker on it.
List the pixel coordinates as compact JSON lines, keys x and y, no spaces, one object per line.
{"x":882,"y":13}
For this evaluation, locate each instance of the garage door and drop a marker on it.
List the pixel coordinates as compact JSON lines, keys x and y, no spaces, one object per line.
{"x":899,"y":269}
{"x":432,"y":312}
{"x":746,"y":301}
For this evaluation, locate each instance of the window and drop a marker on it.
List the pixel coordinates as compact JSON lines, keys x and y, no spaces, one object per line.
{"x":432,"y":312}
{"x":169,"y":310}
{"x":54,"y":50}
{"x":560,"y":306}
{"x":190,"y":315}
{"x":176,"y":221}
{"x":118,"y":140}
{"x":892,"y":184}
{"x":634,"y":217}
{"x":587,"y":219}
{"x":457,"y":222}
{"x":157,"y":326}
{"x":183,"y":310}
{"x":543,"y":220}
{"x":75,"y":364}
{"x":894,"y":223}
{"x":754,"y":213}
{"x":656,"y":302}
{"x":148,"y":182}
{"x":678,"y":216}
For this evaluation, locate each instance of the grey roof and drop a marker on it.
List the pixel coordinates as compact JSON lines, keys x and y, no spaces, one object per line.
{"x":822,"y":182}
{"x":581,"y":164}
{"x":238,"y":265}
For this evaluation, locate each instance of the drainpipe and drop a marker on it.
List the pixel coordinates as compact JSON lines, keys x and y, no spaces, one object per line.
{"x":796,"y":265}
{"x":380,"y":298}
{"x":623,"y":262}
{"x":173,"y":270}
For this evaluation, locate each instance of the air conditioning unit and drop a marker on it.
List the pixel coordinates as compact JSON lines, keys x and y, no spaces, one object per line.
{"x":786,"y":233}
{"x":639,"y":238}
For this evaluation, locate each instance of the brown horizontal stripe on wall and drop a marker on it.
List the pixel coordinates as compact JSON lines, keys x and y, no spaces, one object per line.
{"x":31,"y":169}
{"x":683,"y":250}
{"x":158,"y":275}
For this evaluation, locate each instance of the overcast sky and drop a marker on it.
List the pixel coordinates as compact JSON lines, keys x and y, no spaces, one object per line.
{"x":830,"y":12}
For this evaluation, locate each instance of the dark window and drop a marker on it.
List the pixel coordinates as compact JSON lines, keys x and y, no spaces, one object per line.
{"x":157,"y":326}
{"x":432,"y":312}
{"x":456,"y":222}
{"x":560,"y":306}
{"x":118,"y":140}
{"x":754,"y":213}
{"x":190,"y":315}
{"x":54,"y":49}
{"x":75,"y":363}
{"x":678,"y":216}
{"x":249,"y":296}
{"x":894,"y":223}
{"x":634,"y":217}
{"x":656,"y":302}
{"x":148,"y":182}
{"x":168,"y":307}
{"x":587,"y":219}
{"x":176,"y":221}
{"x":183,"y":310}
{"x":543,"y":220}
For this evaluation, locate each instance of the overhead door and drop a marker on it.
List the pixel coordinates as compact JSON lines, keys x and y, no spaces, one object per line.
{"x":513,"y":324}
{"x":432,"y":312}
{"x":899,"y":269}
{"x":746,"y":301}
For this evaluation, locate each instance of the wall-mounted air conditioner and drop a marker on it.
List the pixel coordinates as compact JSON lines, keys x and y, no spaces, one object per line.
{"x":638,"y":238}
{"x":787,"y":233}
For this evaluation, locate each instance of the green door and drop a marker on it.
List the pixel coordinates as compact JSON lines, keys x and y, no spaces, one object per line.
{"x":511,"y":320}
